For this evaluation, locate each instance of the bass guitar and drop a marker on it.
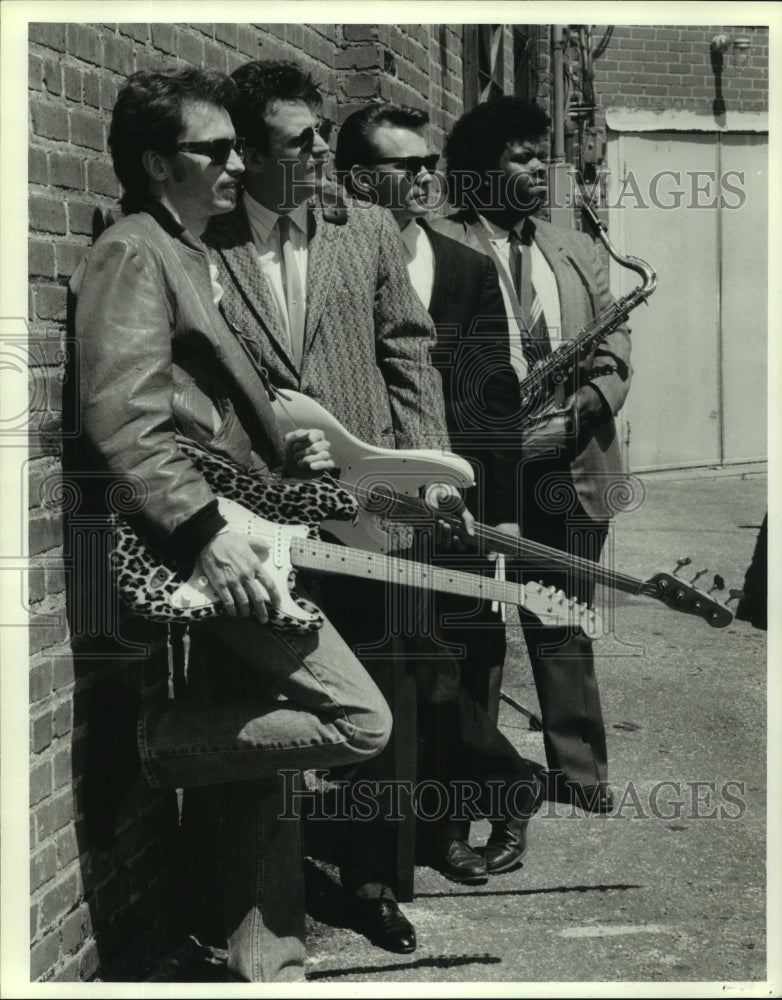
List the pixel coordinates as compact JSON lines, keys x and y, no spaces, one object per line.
{"x":387,"y":487}
{"x":159,"y":589}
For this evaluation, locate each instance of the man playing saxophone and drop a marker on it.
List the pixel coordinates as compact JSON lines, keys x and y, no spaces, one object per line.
{"x":553,"y":284}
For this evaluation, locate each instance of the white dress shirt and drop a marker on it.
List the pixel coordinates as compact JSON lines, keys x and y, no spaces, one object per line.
{"x":266,"y":236}
{"x":420,"y":260}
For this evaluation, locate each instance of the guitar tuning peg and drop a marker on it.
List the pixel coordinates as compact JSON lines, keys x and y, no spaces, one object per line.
{"x":682,"y":562}
{"x":719,"y":583}
{"x":735,"y":595}
{"x":699,"y":575}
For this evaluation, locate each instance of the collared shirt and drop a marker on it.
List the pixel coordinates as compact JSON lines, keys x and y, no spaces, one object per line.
{"x":545,"y":286}
{"x":266,"y":236}
{"x":420,"y":260}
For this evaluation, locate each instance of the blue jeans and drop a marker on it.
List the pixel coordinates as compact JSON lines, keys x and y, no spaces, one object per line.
{"x":333,"y":714}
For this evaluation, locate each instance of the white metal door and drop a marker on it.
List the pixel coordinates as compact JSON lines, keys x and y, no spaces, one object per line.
{"x":698,"y":392}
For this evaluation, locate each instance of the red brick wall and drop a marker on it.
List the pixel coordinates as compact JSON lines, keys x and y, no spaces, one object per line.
{"x":669,"y":68}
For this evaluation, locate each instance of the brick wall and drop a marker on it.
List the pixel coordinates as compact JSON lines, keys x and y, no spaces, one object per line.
{"x":104,"y":914}
{"x":109,"y":914}
{"x":415,"y":64}
{"x":669,"y":68}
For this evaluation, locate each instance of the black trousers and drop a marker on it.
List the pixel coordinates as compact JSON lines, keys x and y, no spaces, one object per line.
{"x":459,"y":745}
{"x":562,"y":659}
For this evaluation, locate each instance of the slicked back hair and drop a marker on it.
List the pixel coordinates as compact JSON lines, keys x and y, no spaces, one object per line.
{"x":148,"y":115}
{"x":354,"y":141}
{"x":260,"y":84}
{"x":479,"y":137}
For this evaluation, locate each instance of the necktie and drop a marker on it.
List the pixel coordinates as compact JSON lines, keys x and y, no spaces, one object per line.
{"x":536,"y":343}
{"x":294,"y":290}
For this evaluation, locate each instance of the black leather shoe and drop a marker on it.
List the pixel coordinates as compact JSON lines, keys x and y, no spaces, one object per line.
{"x":594,"y":798}
{"x":505,"y":846}
{"x":590,"y":798}
{"x":384,"y":924}
{"x":460,"y":863}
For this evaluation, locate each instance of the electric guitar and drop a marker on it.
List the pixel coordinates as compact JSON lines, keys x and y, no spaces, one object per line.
{"x":392,"y":484}
{"x":161,"y":590}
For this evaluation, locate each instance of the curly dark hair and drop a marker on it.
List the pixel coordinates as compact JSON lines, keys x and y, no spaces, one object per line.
{"x":354,"y":141}
{"x":148,"y":115}
{"x":479,"y":137}
{"x":259,"y":84}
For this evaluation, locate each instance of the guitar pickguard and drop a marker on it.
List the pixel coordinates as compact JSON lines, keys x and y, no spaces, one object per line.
{"x":158,"y":588}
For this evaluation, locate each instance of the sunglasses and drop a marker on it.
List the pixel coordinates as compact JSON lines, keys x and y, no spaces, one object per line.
{"x":306,"y":139}
{"x":218,"y":150}
{"x":412,"y":165}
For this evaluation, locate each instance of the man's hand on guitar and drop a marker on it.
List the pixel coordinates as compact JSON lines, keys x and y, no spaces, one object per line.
{"x":232,"y":563}
{"x":307,"y":453}
{"x":514,"y":537}
{"x":448,"y":535}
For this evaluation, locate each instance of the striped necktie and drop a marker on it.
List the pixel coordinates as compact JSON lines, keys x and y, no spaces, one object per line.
{"x":536,"y":344}
{"x":294,"y":290}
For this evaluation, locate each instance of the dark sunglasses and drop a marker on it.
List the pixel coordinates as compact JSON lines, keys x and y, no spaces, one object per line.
{"x":306,"y":139}
{"x":412,"y":165}
{"x":218,"y":150}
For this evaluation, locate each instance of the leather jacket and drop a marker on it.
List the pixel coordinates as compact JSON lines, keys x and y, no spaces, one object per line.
{"x":158,"y":363}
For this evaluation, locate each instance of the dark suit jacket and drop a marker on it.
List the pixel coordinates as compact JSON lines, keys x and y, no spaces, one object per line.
{"x":582,"y":281}
{"x":480,"y":387}
{"x":367,"y":336}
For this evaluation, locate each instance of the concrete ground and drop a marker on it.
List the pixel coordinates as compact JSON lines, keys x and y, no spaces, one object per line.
{"x":672,"y":886}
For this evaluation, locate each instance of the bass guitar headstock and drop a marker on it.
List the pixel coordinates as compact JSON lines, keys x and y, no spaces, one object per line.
{"x":687,"y":598}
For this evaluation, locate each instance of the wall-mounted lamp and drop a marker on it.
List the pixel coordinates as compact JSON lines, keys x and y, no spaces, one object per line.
{"x":742,"y":47}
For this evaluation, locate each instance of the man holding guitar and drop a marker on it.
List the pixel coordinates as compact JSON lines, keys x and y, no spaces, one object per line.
{"x":322,"y":295}
{"x":160,"y":368}
{"x":553,"y":284}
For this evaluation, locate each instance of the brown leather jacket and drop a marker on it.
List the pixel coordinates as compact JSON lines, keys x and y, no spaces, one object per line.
{"x":158,"y":363}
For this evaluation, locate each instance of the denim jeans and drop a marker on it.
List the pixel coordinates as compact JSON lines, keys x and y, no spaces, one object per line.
{"x":332,"y":714}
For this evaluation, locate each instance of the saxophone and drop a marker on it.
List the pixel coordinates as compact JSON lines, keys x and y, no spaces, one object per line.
{"x":538,"y":389}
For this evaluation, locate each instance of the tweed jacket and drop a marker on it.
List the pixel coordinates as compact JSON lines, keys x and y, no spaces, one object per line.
{"x":480,"y":387}
{"x":158,"y":364}
{"x":367,"y":336}
{"x":582,"y":281}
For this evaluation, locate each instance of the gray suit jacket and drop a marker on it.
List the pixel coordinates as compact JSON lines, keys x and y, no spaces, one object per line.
{"x":582,"y":281}
{"x":367,"y":337}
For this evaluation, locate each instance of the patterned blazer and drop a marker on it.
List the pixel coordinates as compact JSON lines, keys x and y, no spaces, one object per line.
{"x":582,"y":281}
{"x":367,"y":336}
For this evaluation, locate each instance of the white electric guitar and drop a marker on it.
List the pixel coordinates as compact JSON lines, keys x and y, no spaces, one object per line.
{"x":392,"y":486}
{"x":161,"y":590}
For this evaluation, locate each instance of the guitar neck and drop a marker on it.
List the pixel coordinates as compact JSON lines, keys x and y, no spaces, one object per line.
{"x":325,"y":557}
{"x":544,"y":557}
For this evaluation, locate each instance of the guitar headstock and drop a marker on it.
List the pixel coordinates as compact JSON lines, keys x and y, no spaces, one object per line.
{"x":683,"y":596}
{"x":554,"y":607}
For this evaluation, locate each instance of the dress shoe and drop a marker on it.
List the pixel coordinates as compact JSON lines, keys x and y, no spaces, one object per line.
{"x":113,"y":762}
{"x":460,"y":863}
{"x":590,"y":798}
{"x":506,"y":845}
{"x":384,"y":924}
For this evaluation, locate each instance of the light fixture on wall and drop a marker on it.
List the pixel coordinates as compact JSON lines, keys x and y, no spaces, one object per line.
{"x":742,"y":47}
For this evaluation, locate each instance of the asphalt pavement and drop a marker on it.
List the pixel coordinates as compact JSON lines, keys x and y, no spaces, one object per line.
{"x":671,"y":887}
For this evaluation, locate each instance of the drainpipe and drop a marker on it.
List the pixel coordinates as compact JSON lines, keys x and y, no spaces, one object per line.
{"x":560,"y":196}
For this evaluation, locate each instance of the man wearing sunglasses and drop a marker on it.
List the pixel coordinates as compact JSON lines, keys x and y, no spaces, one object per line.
{"x":327,"y":299}
{"x":160,"y":368}
{"x":383,"y":158}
